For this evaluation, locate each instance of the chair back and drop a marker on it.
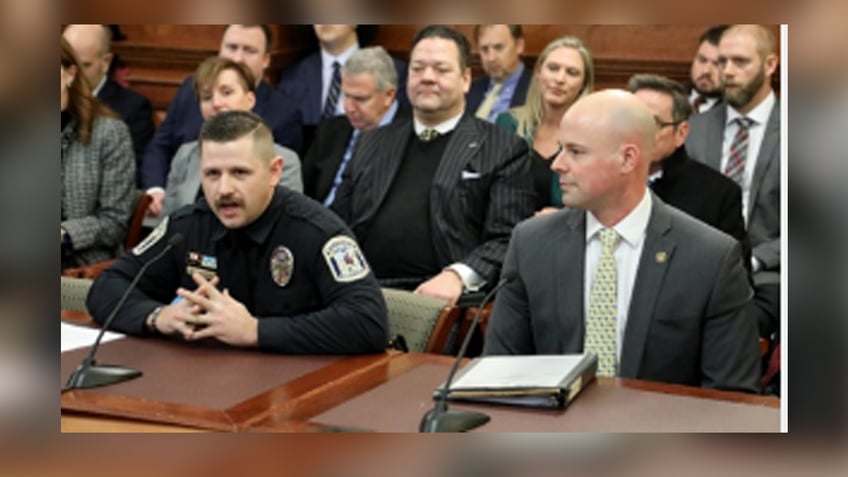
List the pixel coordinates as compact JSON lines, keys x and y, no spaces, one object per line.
{"x":73,"y":293}
{"x":423,"y":321}
{"x":141,"y":201}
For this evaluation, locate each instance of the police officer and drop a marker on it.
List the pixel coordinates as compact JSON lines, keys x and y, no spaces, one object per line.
{"x":260,"y":265}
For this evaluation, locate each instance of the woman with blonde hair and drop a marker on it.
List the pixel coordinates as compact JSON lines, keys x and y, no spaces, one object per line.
{"x":563,"y":73}
{"x":97,"y":171}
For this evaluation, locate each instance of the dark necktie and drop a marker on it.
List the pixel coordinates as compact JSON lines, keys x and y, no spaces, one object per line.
{"x":333,"y":93}
{"x":735,"y":167}
{"x":696,"y":105}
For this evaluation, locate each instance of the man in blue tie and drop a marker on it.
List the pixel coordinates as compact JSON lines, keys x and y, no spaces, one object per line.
{"x":369,"y":87}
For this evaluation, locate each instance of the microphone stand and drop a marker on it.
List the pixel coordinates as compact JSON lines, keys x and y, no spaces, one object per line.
{"x":89,"y":374}
{"x":442,"y":419}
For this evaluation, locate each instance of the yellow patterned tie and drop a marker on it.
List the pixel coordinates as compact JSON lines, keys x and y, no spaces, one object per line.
{"x":601,"y":322}
{"x":428,"y":135}
{"x":486,"y":106}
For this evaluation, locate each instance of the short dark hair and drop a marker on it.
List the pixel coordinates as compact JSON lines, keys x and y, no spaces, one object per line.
{"x":680,"y":107}
{"x":448,"y":33}
{"x":266,"y":30}
{"x":228,"y":126}
{"x":713,"y":34}
{"x":515,"y":30}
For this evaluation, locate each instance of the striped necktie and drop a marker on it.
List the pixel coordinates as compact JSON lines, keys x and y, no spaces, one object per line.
{"x":333,"y":93}
{"x":735,"y":167}
{"x":602,"y":320}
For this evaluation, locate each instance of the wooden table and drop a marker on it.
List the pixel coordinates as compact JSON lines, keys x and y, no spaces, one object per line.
{"x":189,"y":387}
{"x":204,"y":387}
{"x":399,"y":393}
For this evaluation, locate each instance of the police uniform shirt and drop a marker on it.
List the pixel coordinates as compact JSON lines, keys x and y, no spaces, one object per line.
{"x":296,"y":268}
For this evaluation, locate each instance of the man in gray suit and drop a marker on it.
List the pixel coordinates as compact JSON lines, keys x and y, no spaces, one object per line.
{"x":655,"y":293}
{"x":432,"y":199}
{"x":741,"y":138}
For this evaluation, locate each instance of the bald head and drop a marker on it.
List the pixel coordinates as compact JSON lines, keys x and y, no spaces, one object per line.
{"x":607,"y":139}
{"x":623,"y":118}
{"x":92,"y":45}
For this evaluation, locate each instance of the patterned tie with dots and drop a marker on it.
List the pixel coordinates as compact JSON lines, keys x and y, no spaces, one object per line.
{"x":601,"y":322}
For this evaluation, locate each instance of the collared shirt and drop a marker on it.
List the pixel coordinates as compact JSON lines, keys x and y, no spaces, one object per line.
{"x":631,"y":229}
{"x":505,"y":94}
{"x":471,"y":280}
{"x":654,"y":177}
{"x":708,"y":103}
{"x":443,"y":127}
{"x":99,"y":86}
{"x":756,"y":132}
{"x":327,"y":74}
{"x":386,"y":119}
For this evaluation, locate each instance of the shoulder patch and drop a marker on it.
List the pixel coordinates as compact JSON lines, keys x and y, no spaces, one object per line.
{"x":151,"y":240}
{"x":345,"y":259}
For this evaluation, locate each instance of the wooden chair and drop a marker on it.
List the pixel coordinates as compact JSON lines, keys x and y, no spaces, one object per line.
{"x":424,"y":322}
{"x":142,"y":201}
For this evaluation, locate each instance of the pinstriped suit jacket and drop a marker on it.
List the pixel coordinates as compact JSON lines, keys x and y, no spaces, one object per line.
{"x":481,"y":189}
{"x":97,"y":189}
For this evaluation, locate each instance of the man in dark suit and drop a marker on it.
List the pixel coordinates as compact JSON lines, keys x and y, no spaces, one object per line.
{"x":434,"y":199}
{"x":656,"y":294}
{"x":741,"y":138}
{"x":369,"y":85}
{"x":705,"y":74}
{"x":248,"y":44}
{"x":93,"y":46}
{"x":309,"y":83}
{"x":506,"y":81}
{"x":689,"y":185}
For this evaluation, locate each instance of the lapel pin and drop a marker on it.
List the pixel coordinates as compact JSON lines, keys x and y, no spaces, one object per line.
{"x":661,"y":257}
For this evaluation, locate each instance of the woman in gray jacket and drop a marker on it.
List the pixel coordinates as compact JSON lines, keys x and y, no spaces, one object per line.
{"x":98,"y":171}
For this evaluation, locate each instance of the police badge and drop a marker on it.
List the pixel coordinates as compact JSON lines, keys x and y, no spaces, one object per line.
{"x":344,"y":259}
{"x":282,"y":265}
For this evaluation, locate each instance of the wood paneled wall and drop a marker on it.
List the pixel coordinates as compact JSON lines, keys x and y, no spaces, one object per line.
{"x":161,"y":56}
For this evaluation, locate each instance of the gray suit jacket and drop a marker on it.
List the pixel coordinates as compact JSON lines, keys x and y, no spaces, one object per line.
{"x":98,"y":179}
{"x":184,"y":177}
{"x":481,"y":189}
{"x":687,"y":322}
{"x":704,"y":144}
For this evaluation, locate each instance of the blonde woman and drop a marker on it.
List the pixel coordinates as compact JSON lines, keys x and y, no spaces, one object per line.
{"x":563,"y":73}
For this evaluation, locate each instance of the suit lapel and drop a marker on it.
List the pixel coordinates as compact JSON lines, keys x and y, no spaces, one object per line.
{"x":464,"y":143}
{"x":568,"y":270}
{"x":386,"y":154}
{"x":657,"y":254}
{"x":715,"y":135}
{"x":769,"y":153}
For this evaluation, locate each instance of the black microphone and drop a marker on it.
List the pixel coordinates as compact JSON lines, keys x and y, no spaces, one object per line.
{"x":89,"y":374}
{"x":440,"y":418}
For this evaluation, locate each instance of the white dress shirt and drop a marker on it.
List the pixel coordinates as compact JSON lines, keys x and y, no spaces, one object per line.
{"x":631,"y":229}
{"x":756,"y":132}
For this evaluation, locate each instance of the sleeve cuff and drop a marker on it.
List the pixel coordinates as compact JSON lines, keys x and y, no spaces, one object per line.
{"x":471,"y":280}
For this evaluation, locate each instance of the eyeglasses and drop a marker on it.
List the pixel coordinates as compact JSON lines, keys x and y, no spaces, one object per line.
{"x":661,"y":124}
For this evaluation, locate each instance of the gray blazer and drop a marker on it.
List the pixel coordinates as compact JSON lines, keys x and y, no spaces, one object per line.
{"x":704,"y":144}
{"x":98,"y":179}
{"x":184,"y":177}
{"x":687,"y":322}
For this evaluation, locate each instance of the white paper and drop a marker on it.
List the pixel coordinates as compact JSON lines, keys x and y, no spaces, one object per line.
{"x":75,"y":336}
{"x":538,"y":371}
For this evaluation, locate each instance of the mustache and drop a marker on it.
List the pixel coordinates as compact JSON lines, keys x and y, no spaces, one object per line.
{"x":227,"y":200}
